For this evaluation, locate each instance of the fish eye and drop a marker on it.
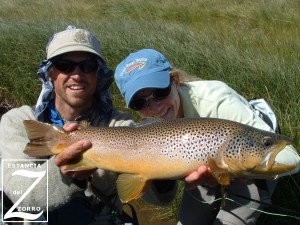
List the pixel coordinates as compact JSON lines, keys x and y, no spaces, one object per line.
{"x":267,"y":142}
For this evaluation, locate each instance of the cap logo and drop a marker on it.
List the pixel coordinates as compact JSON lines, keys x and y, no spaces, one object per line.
{"x":136,"y":64}
{"x":81,"y":37}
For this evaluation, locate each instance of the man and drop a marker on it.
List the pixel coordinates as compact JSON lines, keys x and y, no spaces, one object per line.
{"x":75,"y":81}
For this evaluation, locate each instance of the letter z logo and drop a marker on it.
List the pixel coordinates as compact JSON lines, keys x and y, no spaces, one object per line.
{"x":25,"y":215}
{"x":20,"y":191}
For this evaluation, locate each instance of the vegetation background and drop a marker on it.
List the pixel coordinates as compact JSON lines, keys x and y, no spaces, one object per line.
{"x":251,"y":45}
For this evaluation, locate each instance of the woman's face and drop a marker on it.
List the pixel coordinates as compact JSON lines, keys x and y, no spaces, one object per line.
{"x":167,"y":108}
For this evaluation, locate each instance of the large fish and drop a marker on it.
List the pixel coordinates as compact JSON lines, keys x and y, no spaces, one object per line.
{"x":166,"y":149}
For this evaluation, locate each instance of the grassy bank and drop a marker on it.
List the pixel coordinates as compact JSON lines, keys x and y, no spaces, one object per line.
{"x":251,"y":45}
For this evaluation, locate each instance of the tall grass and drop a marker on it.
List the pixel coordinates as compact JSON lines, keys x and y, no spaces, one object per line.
{"x":251,"y":45}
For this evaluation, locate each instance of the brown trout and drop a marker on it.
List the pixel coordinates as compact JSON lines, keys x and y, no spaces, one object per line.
{"x":166,"y":149}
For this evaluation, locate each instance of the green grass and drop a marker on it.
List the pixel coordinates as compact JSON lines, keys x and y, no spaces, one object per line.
{"x":251,"y":45}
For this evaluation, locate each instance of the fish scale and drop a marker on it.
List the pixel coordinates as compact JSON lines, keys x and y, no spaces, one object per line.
{"x":166,"y":149}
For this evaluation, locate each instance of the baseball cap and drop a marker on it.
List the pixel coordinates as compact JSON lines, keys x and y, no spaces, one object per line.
{"x":146,"y":68}
{"x":71,"y":40}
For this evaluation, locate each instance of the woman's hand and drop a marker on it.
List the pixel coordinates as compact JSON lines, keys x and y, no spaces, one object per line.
{"x":72,"y":154}
{"x":202,"y":176}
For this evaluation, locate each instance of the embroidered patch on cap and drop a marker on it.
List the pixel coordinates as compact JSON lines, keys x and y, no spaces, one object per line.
{"x":81,"y":37}
{"x":136,"y":64}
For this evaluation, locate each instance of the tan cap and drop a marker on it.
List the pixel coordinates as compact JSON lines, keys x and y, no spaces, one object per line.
{"x":71,"y":40}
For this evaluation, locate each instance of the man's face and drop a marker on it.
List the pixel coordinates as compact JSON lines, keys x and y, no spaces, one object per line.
{"x":75,"y":87}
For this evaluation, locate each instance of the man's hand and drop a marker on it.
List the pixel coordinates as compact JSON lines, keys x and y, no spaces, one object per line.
{"x":72,"y":154}
{"x":202,"y":176}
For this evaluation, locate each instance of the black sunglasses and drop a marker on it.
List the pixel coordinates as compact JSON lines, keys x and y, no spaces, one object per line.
{"x":68,"y":66}
{"x":139,"y":103}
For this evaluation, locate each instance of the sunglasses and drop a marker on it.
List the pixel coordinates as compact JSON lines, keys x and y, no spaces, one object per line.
{"x":139,"y":103}
{"x":68,"y":66}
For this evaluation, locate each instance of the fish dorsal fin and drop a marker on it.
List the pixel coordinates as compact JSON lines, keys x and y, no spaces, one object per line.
{"x":83,"y":164}
{"x":221,"y":175}
{"x":131,"y":186}
{"x":83,"y":124}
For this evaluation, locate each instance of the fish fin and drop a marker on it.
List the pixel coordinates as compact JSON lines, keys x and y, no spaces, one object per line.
{"x":131,"y":186}
{"x":235,"y":168}
{"x":81,"y":165}
{"x":83,"y":124}
{"x":43,"y":137}
{"x":221,"y":175}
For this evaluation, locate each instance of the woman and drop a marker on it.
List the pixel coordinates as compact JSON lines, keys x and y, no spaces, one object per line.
{"x":152,"y":88}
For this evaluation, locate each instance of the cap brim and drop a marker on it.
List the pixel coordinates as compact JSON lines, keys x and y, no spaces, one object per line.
{"x":160,"y":79}
{"x":78,"y":48}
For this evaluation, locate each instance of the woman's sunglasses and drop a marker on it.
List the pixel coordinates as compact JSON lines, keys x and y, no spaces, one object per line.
{"x":139,"y":103}
{"x":68,"y":66}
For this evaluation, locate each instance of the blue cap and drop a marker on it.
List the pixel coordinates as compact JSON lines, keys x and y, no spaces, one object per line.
{"x":146,"y":68}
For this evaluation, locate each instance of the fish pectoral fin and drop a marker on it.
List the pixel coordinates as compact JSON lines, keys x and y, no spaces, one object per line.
{"x":131,"y":186}
{"x":235,"y":168}
{"x":81,"y":165}
{"x":220,"y":174}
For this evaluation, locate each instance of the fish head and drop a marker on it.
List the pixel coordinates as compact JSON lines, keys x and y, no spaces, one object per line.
{"x":252,"y":154}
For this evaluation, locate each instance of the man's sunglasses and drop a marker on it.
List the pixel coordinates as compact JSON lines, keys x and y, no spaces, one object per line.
{"x":68,"y":66}
{"x":139,"y":103}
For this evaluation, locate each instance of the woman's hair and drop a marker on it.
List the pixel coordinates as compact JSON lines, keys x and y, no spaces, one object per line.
{"x":183,"y":76}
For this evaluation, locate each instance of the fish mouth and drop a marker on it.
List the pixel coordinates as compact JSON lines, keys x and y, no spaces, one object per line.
{"x":269,"y":166}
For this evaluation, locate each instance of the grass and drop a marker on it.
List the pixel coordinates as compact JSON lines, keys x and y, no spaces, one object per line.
{"x":251,"y":45}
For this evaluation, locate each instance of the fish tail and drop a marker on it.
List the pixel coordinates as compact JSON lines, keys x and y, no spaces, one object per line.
{"x":43,"y":138}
